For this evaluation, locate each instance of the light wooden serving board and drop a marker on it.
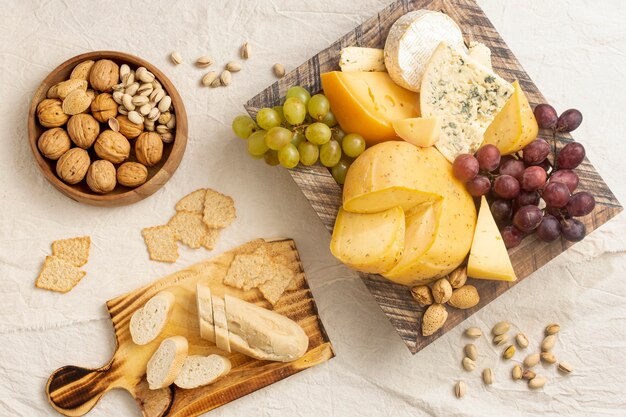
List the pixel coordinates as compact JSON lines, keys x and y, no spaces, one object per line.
{"x":73,"y":391}
{"x":324,"y":194}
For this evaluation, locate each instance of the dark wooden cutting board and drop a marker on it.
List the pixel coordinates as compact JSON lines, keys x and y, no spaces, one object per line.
{"x":324,"y":194}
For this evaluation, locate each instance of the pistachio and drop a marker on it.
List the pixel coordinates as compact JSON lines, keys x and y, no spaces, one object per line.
{"x":528,"y":375}
{"x":171,"y":124}
{"x":144,"y":75}
{"x":225,"y":77}
{"x":167,"y":137}
{"x":233,"y":66}
{"x":176,"y":58}
{"x":128,"y":79}
{"x":473,"y":332}
{"x":548,"y":343}
{"x":245,"y":50}
{"x":508,"y":352}
{"x":500,"y":328}
{"x":548,"y":357}
{"x":140,"y":100}
{"x":145,"y":109}
{"x":114,"y":124}
{"x":500,"y":339}
{"x":422,"y":295}
{"x":154,"y":115}
{"x":531,"y":360}
{"x":118,"y":96}
{"x":157,"y":95}
{"x":458,"y":277}
{"x":522,"y":340}
{"x":279,"y":70}
{"x":516,"y":373}
{"x":204,"y":61}
{"x":537,"y":382}
{"x":145,"y":89}
{"x":471,"y":351}
{"x":132,"y":89}
{"x":164,"y":104}
{"x":124,"y":70}
{"x":488,"y":376}
{"x":208,"y":78}
{"x":162,"y":129}
{"x":565,"y":368}
{"x":468,"y":364}
{"x":135,"y":117}
{"x":552,"y":329}
{"x":127,"y":102}
{"x":459,"y":389}
{"x":217,"y":82}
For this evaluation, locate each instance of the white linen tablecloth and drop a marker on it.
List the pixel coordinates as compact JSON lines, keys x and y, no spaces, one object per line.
{"x":574,"y":50}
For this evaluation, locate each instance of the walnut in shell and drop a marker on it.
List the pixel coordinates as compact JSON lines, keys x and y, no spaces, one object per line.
{"x":149,"y":148}
{"x":50,"y":113}
{"x":112,"y":146}
{"x":103,"y":107}
{"x":132,"y":174}
{"x":73,"y":165}
{"x":83,"y":130}
{"x":101,"y":176}
{"x":127,"y":128}
{"x":104,"y":75}
{"x":53,"y":143}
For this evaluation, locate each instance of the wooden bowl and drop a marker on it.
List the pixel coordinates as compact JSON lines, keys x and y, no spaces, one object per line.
{"x":158,"y":174}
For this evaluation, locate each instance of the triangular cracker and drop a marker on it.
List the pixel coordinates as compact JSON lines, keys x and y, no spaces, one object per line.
{"x":161,"y":243}
{"x":74,"y":250}
{"x":219,"y":209}
{"x":193,"y":202}
{"x":59,"y":275}
{"x":188,"y":228}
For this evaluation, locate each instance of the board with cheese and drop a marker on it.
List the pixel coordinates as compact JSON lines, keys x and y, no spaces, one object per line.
{"x":449,"y":98}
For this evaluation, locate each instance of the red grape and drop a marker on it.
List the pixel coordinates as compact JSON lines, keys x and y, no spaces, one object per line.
{"x":573,"y":230}
{"x":581,"y":204}
{"x":569,"y":120}
{"x":567,"y":177}
{"x":512,"y":167}
{"x":526,"y":198}
{"x":527,"y":218}
{"x":488,"y":157}
{"x":505,"y":186}
{"x":536,"y":152}
{"x":465,"y":167}
{"x":546,"y":116}
{"x":478,"y":186}
{"x":511,"y":236}
{"x":556,"y":194}
{"x":501,"y":210}
{"x":559,"y":213}
{"x":570,"y":156}
{"x":549,"y":229}
{"x":533,"y":178}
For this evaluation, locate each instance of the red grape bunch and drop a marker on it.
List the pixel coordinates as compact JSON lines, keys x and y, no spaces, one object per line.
{"x":532,"y":191}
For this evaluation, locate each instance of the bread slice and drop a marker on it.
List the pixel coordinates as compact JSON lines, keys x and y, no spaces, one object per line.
{"x":74,"y":250}
{"x":193,"y":202}
{"x":147,"y":322}
{"x":205,"y":312}
{"x":219,"y":209}
{"x":202,"y":370}
{"x":166,"y":363}
{"x":161,"y":243}
{"x":58,"y":275}
{"x":220,"y":324}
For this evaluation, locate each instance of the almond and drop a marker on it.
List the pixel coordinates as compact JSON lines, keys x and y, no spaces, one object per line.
{"x":422,"y":295}
{"x":465,"y":297}
{"x":442,"y":291}
{"x":433,"y":319}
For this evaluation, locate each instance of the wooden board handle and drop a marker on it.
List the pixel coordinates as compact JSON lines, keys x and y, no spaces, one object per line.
{"x":73,"y":391}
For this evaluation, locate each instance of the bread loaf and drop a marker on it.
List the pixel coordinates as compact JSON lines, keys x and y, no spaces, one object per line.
{"x":166,"y":363}
{"x":202,"y":370}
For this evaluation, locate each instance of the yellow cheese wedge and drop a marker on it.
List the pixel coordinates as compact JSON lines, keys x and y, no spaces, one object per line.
{"x":489,"y":258}
{"x":368,"y":102}
{"x":515,"y":126}
{"x":369,"y":242}
{"x":419,"y":131}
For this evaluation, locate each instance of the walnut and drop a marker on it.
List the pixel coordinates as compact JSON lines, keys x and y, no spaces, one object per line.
{"x":73,"y":165}
{"x":83,"y":130}
{"x":104,"y":75}
{"x":149,"y":148}
{"x":112,"y":146}
{"x":132,"y":174}
{"x":50,"y":113}
{"x":127,"y":128}
{"x":101,"y":176}
{"x":103,"y":107}
{"x":53,"y":143}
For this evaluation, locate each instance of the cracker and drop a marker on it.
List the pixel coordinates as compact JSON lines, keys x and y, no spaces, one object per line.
{"x":188,"y":228}
{"x":246,"y":271}
{"x":210,"y":238}
{"x":193,"y":202}
{"x":219,"y":209}
{"x":279,"y":277}
{"x":74,"y":250}
{"x":161,"y":243}
{"x":59,"y":275}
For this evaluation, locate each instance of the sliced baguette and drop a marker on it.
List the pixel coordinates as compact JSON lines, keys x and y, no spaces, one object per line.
{"x":166,"y":363}
{"x":263,"y":334}
{"x":220,"y":324}
{"x":205,"y":312}
{"x":148,"y":321}
{"x":198,"y":371}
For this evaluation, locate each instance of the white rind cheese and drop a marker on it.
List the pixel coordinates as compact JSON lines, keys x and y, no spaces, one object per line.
{"x":411,"y":42}
{"x":354,"y":58}
{"x":465,"y":94}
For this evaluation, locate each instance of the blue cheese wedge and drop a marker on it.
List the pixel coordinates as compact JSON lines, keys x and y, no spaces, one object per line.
{"x":465,"y":94}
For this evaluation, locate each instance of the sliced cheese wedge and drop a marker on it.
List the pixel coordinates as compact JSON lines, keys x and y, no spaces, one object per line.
{"x":369,"y":242}
{"x":221,"y":324}
{"x":354,"y":58}
{"x":423,"y":132}
{"x":489,"y":258}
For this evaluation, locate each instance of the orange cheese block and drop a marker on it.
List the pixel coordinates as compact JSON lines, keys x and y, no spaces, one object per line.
{"x":368,"y":102}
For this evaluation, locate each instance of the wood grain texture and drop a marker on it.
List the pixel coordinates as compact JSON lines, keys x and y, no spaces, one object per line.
{"x":73,"y":391}
{"x":158,"y":174}
{"x":325,"y":195}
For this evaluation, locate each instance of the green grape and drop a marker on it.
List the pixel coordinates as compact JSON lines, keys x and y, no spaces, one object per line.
{"x":279,"y":110}
{"x":308,"y":153}
{"x":243,"y":126}
{"x":300,"y":93}
{"x":256,"y":143}
{"x":318,"y":107}
{"x":330,"y":153}
{"x":267,"y":118}
{"x":294,"y":111}
{"x":317,"y":133}
{"x":329,"y":120}
{"x":353,"y":145}
{"x":277,"y":137}
{"x":338,"y":134}
{"x":297,"y":139}
{"x":339,"y":171}
{"x":288,"y":156}
{"x":271,"y":157}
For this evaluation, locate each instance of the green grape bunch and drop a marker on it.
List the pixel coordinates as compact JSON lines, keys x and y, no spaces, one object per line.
{"x":303,"y":131}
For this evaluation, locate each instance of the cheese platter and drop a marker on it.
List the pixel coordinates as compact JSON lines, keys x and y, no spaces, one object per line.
{"x":439,"y":159}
